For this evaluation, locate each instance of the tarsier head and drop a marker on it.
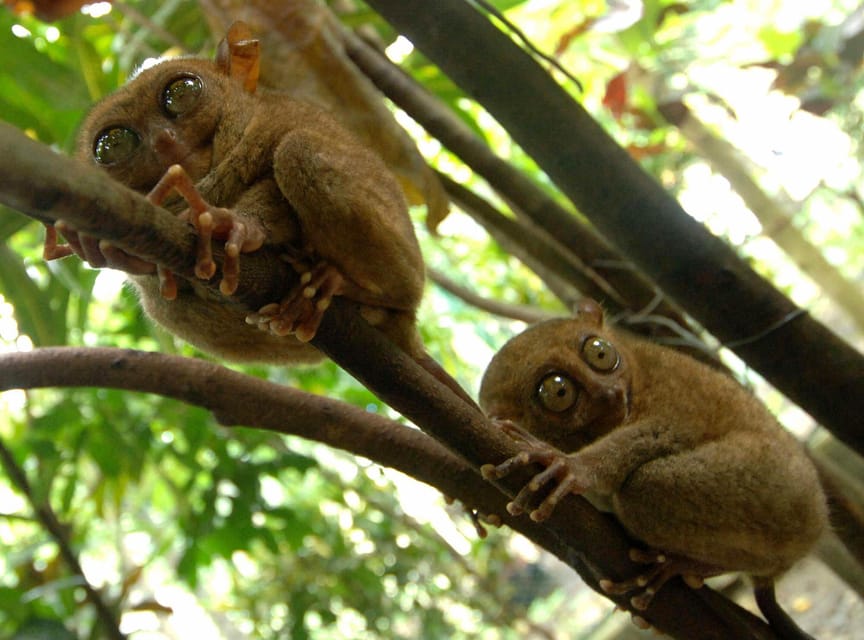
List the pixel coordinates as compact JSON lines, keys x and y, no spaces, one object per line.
{"x":168,"y":114}
{"x":564,"y":380}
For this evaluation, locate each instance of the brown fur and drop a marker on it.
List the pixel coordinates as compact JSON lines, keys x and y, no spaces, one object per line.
{"x":284,"y":166}
{"x":688,"y":460}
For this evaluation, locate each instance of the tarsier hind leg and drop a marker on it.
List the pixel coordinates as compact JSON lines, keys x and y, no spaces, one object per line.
{"x":563,"y":474}
{"x":301,"y":312}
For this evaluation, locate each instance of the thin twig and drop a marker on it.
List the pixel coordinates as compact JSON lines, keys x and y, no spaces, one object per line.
{"x":60,"y":535}
{"x":513,"y":311}
{"x":526,"y":41}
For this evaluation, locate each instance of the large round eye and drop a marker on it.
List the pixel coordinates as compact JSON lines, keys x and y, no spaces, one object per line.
{"x":600,"y":354}
{"x":557,"y":392}
{"x":115,"y":144}
{"x":181,"y":95}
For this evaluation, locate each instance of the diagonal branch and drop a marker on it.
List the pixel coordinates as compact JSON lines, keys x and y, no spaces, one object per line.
{"x":48,"y":186}
{"x":605,"y":274}
{"x":704,"y":275}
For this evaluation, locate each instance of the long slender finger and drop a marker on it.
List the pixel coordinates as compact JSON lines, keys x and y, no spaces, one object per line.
{"x":231,"y":262}
{"x":71,"y":236}
{"x":167,"y":284}
{"x":117,"y":258}
{"x":92,"y":253}
{"x":552,"y":471}
{"x":566,"y":486}
{"x":52,"y":250}
{"x":494,"y":472}
{"x":205,"y":267}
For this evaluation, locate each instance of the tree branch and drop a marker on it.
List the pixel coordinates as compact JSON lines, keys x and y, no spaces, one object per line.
{"x":561,"y":271}
{"x":606,"y":275}
{"x":521,"y":312}
{"x":237,"y":399}
{"x":49,"y":186}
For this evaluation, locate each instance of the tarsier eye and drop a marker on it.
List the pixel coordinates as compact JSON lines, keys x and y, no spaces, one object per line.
{"x":181,"y":95}
{"x":115,"y":144}
{"x":600,"y":354}
{"x":557,"y":392}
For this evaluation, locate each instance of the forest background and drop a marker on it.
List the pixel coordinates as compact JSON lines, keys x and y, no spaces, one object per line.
{"x":747,"y":112}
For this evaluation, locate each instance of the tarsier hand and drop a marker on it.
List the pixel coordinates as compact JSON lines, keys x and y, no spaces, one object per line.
{"x":562,"y":474}
{"x":209,"y":223}
{"x":301,"y":312}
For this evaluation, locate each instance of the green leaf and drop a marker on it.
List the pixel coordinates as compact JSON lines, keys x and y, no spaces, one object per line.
{"x":780,"y":44}
{"x":33,"y":307}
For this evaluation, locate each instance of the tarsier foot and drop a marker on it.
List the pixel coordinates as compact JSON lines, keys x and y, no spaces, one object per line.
{"x":241,"y":235}
{"x":663,"y":567}
{"x":302,"y":311}
{"x":561,"y":473}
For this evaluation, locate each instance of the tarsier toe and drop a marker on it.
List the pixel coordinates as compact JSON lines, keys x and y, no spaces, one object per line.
{"x":542,"y":513}
{"x":52,"y":250}
{"x":489,"y":472}
{"x":304,"y":334}
{"x":280,"y":328}
{"x":493,"y":519}
{"x":514,"y":509}
{"x":167,"y":284}
{"x":642,"y":600}
{"x":539,"y":515}
{"x":228,"y":286}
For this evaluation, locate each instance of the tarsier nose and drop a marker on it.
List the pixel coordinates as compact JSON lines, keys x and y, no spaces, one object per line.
{"x":164,"y":143}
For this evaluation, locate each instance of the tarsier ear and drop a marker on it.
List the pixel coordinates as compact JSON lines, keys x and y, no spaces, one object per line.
{"x":588,"y":309}
{"x":239,"y":55}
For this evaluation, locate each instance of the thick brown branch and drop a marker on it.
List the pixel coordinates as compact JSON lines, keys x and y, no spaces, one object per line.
{"x":703,"y":274}
{"x":47,"y":186}
{"x":236,"y":399}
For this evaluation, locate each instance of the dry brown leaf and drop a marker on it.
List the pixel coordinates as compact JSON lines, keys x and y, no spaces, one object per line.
{"x":45,"y":10}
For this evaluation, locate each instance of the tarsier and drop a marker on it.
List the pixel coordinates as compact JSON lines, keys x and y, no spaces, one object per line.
{"x":689,"y":462}
{"x":253,"y":167}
